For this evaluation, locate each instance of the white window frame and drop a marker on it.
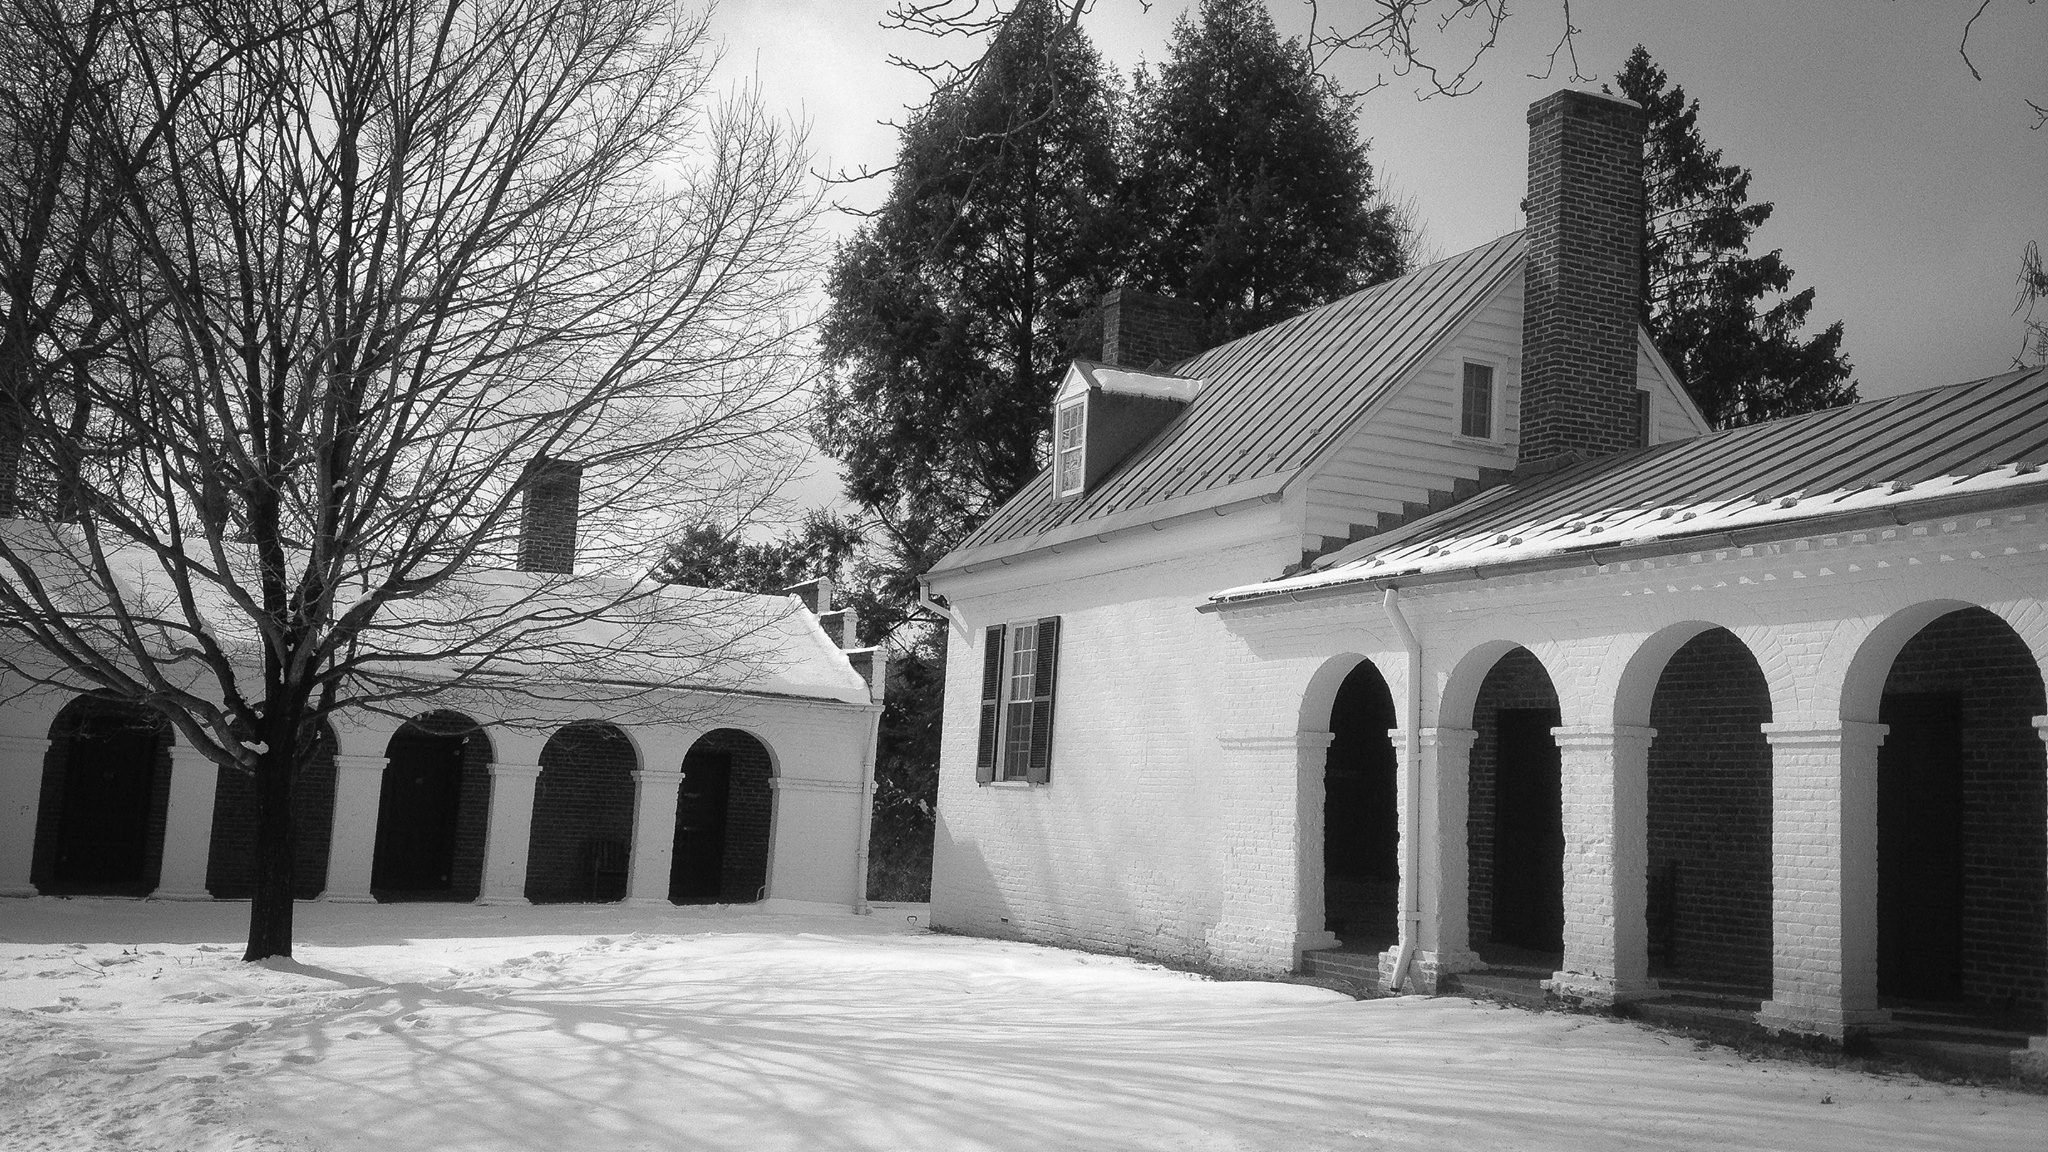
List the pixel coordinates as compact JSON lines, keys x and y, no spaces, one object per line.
{"x":1075,"y":453}
{"x":1013,"y":758}
{"x":1496,"y":397}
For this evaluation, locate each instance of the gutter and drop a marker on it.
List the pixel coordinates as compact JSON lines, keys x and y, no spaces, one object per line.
{"x":1896,"y":515}
{"x":1411,"y":807}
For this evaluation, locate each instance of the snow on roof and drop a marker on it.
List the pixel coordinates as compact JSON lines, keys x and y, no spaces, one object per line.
{"x":495,"y":624}
{"x":1130,"y":382}
{"x":1981,"y":443}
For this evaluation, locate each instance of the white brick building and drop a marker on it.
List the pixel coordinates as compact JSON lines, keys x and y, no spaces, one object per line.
{"x":1430,"y":624}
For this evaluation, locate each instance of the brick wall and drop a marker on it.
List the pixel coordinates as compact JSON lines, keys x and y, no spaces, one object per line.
{"x":1710,"y":816}
{"x":584,"y":796}
{"x":50,"y":812}
{"x":473,"y":808}
{"x":231,"y":855}
{"x":1517,"y":680}
{"x":1583,"y":276}
{"x":2005,"y":800}
{"x":547,"y":522}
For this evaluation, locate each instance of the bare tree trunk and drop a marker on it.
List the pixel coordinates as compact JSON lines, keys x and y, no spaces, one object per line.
{"x":270,"y":907}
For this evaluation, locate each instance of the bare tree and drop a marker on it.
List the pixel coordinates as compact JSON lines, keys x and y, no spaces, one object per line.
{"x":375,"y":276}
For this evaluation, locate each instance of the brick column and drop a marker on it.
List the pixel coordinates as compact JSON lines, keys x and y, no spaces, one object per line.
{"x":1258,"y":779}
{"x":654,"y":834}
{"x":1823,"y":879}
{"x":1312,"y":754}
{"x":21,"y":795}
{"x":508,"y":836}
{"x":2031,"y":1062}
{"x":188,"y":826}
{"x":1446,"y":945}
{"x":1606,"y":794}
{"x":358,"y":786}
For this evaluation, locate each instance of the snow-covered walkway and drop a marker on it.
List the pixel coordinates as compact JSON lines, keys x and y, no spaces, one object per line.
{"x":424,"y":1028}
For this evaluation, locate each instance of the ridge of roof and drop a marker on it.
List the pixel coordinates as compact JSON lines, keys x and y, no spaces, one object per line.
{"x":1272,"y":400}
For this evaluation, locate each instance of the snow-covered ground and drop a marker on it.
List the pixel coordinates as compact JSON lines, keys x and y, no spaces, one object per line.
{"x":127,"y":1024}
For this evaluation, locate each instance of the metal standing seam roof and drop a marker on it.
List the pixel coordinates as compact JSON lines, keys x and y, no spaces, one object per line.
{"x":1272,"y":400}
{"x":1986,"y":440}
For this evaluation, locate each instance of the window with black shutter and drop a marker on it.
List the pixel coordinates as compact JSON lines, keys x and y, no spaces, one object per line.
{"x":1020,"y":664}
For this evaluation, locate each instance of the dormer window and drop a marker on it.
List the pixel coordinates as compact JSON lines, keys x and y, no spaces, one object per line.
{"x":1070,"y":443}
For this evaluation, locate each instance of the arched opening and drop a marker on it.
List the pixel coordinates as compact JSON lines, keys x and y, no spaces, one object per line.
{"x":1709,"y":883}
{"x":724,"y":813}
{"x":106,"y":788}
{"x":1962,"y":872}
{"x":1361,"y":865}
{"x":433,"y":810}
{"x":582,"y":832}
{"x":1515,"y":825}
{"x":231,"y":859}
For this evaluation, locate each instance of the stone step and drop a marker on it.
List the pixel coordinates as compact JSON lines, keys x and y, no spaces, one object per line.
{"x":1361,"y":968}
{"x":1521,"y":988}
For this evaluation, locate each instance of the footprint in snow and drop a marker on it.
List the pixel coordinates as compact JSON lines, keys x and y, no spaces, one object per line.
{"x":302,"y":1057}
{"x":83,"y":1054}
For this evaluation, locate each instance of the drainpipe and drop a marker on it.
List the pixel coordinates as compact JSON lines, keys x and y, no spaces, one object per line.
{"x":1411,"y":843}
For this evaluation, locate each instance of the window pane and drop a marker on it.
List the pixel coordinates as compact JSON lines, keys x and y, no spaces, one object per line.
{"x":1018,"y":688}
{"x":1477,"y":419}
{"x":1069,"y":441}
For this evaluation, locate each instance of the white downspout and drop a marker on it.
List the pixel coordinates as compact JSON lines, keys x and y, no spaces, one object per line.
{"x":1411,"y":768}
{"x":871,"y":763}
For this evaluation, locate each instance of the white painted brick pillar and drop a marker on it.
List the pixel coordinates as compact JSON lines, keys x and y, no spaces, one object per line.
{"x":1823,"y":879}
{"x":188,"y":826}
{"x":2032,"y":1061}
{"x":508,"y":837}
{"x":1606,"y":801}
{"x":654,"y":833}
{"x":21,"y":796}
{"x":1260,"y":848}
{"x":1446,"y":945}
{"x":1312,"y":757}
{"x":352,"y":846}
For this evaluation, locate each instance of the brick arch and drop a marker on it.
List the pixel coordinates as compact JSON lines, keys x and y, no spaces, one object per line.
{"x":581,"y":834}
{"x":1460,"y":694}
{"x":1631,"y":684}
{"x":104,"y":833}
{"x":1515,"y":865}
{"x":1319,"y":694}
{"x":231,"y":853}
{"x":1355,"y":843}
{"x":419,"y":805}
{"x":722,"y":850}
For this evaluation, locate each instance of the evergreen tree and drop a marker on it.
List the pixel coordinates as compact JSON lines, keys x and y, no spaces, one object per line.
{"x":1248,"y":172}
{"x":952,"y":312}
{"x":1702,"y":290}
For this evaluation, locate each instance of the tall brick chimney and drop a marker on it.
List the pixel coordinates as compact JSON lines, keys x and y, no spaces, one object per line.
{"x":547,"y":524}
{"x":1140,"y":330}
{"x":1584,"y":273}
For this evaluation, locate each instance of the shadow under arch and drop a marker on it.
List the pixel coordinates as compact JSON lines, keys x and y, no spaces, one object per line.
{"x":579,"y":842}
{"x":1515,"y":821}
{"x":1708,"y":821}
{"x":1349,"y":698}
{"x":106,"y":787}
{"x":231,"y":854}
{"x":433,"y":810}
{"x":725,"y":820}
{"x":1961,"y":810}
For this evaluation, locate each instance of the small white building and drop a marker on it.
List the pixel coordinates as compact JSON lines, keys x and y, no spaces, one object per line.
{"x":1432,"y":628}
{"x":721,"y":752}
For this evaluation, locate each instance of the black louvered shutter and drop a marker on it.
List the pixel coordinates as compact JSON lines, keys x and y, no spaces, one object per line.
{"x":1040,"y":770}
{"x":991,"y":688}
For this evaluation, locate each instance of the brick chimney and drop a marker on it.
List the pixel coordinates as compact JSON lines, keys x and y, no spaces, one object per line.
{"x":1584,"y":274}
{"x":1140,"y":330}
{"x":547,"y":525}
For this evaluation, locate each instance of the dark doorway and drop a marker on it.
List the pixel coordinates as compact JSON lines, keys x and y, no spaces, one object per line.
{"x":1920,"y":847}
{"x":417,"y":813}
{"x":109,"y":802}
{"x":1528,"y":832}
{"x":579,"y":844}
{"x":1361,"y":839}
{"x":700,"y":826}
{"x":724,"y":812}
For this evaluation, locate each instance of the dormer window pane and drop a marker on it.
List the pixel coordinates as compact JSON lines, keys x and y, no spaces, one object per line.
{"x":1477,"y":418}
{"x":1069,"y":438}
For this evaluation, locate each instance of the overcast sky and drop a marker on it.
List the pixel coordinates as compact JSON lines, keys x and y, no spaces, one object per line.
{"x":1905,"y":188}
